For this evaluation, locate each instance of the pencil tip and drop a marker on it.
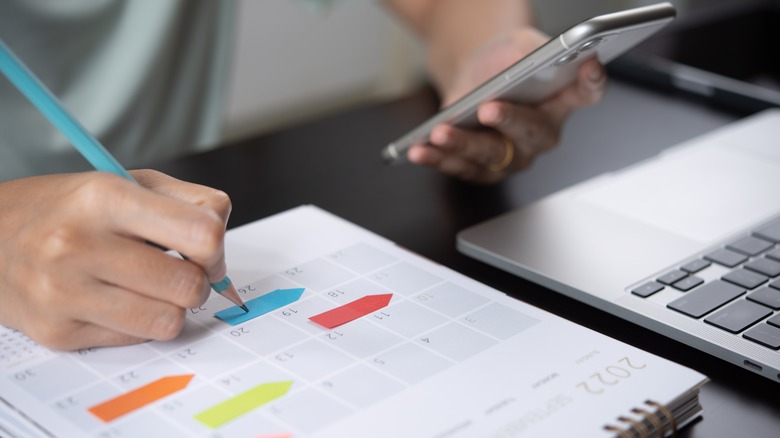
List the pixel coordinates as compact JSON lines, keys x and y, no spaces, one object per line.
{"x":227,"y":290}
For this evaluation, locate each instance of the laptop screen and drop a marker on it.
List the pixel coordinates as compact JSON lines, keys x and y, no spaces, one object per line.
{"x":726,"y":54}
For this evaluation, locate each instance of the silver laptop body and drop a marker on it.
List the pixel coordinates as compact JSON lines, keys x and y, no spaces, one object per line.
{"x":686,"y":243}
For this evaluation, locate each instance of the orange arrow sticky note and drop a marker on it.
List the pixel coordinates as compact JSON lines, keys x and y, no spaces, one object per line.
{"x":351,"y":311}
{"x":140,"y":397}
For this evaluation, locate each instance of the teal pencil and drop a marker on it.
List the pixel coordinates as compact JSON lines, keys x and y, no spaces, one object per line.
{"x":82,"y":140}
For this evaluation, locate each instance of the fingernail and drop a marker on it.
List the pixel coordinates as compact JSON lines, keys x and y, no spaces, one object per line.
{"x":493,"y":115}
{"x":414,"y":154}
{"x":438,"y":137}
{"x":596,"y":75}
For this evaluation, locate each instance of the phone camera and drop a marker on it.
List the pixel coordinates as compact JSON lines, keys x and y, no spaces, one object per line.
{"x":588,"y":45}
{"x":567,"y":58}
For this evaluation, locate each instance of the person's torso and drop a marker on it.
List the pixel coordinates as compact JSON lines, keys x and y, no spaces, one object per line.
{"x":148,"y":78}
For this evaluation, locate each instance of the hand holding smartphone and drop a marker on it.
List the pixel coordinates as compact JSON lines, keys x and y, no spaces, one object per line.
{"x":546,"y":70}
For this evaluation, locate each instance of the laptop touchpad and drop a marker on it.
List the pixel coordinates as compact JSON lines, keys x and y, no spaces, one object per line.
{"x":704,"y":194}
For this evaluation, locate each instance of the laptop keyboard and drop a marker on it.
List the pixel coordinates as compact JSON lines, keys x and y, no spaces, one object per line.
{"x":735,"y":288}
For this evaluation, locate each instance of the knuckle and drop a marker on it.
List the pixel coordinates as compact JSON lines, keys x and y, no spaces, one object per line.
{"x":45,"y":291}
{"x":187,"y":286}
{"x":59,"y":243}
{"x":168,"y":324}
{"x":208,"y":232}
{"x":98,"y":190}
{"x":222,"y":203}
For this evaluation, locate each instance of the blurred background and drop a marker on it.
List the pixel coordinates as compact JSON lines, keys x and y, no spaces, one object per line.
{"x":299,"y":59}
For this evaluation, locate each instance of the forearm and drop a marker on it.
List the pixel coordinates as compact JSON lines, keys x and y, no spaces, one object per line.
{"x":453,"y":29}
{"x":469,"y":41}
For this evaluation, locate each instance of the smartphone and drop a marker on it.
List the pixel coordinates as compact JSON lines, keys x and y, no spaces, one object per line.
{"x":547,"y":70}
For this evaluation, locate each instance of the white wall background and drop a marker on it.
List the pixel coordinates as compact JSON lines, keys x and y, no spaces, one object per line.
{"x":293,"y":62}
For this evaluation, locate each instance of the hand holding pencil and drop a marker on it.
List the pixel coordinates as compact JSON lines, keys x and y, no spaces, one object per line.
{"x":76,"y":267}
{"x":77,"y":271}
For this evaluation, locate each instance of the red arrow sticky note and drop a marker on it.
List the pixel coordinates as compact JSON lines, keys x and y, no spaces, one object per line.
{"x":351,"y":311}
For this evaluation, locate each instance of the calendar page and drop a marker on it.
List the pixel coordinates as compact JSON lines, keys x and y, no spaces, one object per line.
{"x":347,"y":335}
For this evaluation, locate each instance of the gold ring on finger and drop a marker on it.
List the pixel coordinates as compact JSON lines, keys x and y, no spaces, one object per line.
{"x":509,"y":155}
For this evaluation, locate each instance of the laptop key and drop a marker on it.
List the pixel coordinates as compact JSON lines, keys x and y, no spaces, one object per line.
{"x":650,"y":288}
{"x":672,"y":277}
{"x":706,"y":298}
{"x":775,"y":320}
{"x":696,"y":265}
{"x":750,"y":245}
{"x":775,"y":255}
{"x":775,"y":284}
{"x":770,"y":231}
{"x":726,"y":257}
{"x":688,"y":283}
{"x":738,"y":316}
{"x":770,"y":268}
{"x":765,"y":335}
{"x":745,"y":278}
{"x":767,"y":296}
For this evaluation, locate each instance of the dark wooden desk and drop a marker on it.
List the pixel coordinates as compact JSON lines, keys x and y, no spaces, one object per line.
{"x":334,"y":163}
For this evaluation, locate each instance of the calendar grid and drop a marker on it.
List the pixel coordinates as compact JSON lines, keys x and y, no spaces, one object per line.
{"x":424,"y":330}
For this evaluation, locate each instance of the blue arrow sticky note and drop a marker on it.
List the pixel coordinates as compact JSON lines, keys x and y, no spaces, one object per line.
{"x":260,"y":306}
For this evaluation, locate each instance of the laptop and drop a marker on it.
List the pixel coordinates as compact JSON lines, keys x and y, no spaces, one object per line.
{"x":686,"y":243}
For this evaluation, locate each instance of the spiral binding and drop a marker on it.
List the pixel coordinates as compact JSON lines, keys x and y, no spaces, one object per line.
{"x":638,"y":428}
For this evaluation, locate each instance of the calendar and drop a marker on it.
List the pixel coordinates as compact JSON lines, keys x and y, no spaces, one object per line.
{"x":347,"y":335}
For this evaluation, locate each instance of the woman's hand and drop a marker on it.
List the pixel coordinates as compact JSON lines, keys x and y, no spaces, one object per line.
{"x":76,"y":266}
{"x":484,"y":155}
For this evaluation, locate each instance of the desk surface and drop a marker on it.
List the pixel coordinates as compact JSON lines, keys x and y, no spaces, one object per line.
{"x":334,"y":163}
